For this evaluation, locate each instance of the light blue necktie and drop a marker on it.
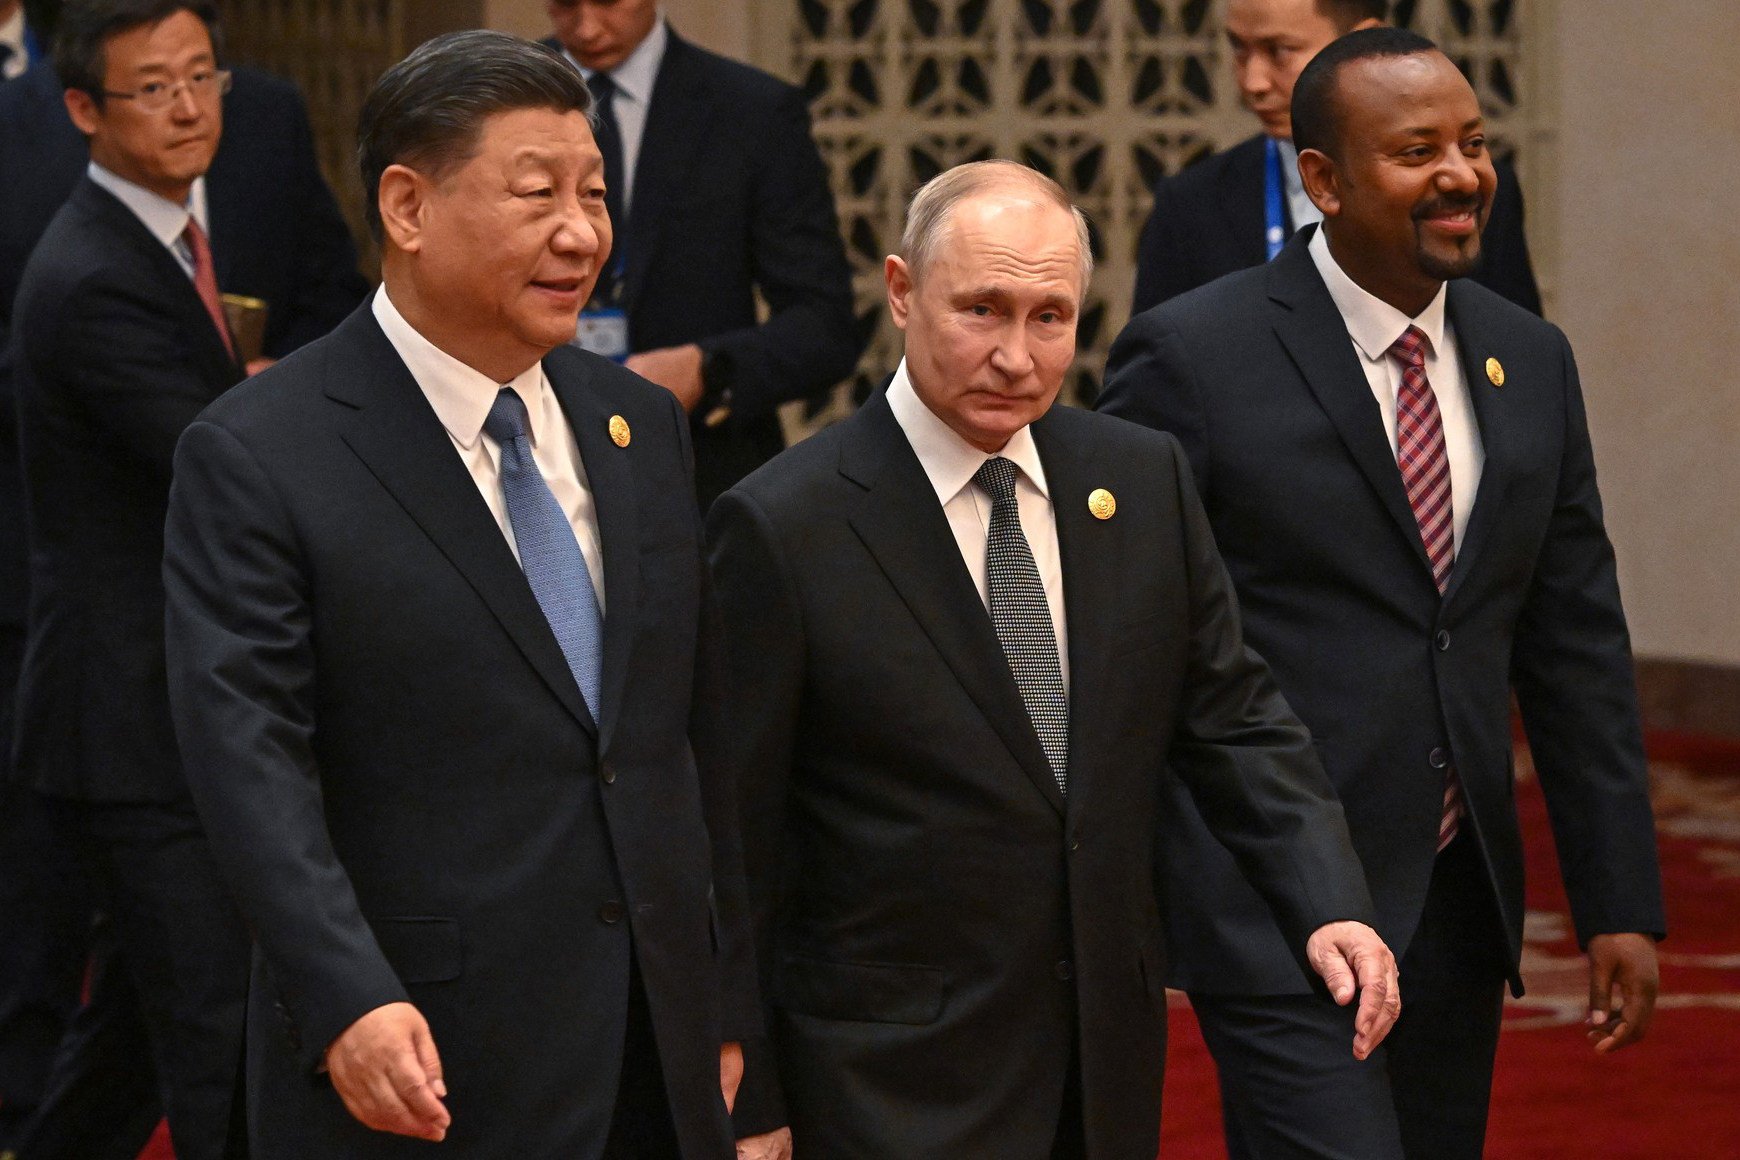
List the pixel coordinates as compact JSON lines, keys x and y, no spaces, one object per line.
{"x":549,"y":554}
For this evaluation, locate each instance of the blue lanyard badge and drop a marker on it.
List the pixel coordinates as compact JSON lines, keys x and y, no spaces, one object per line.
{"x":1275,"y":234}
{"x":603,"y":325}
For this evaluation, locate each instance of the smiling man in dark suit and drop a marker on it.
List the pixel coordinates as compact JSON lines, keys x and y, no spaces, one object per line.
{"x":1236,"y":208}
{"x":437,"y":643}
{"x":1397,"y":467}
{"x":721,"y":197}
{"x":969,"y":631}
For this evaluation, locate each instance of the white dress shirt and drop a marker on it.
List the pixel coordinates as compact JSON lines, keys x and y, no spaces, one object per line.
{"x":950,"y":463}
{"x":12,"y":36}
{"x":462,"y":397}
{"x":166,"y":220}
{"x":634,"y":79}
{"x":1300,"y":207}
{"x":1374,"y":325}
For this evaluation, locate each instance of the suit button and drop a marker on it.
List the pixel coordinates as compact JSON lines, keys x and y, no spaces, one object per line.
{"x":609,"y":775}
{"x":1439,"y":758}
{"x":1074,"y":845}
{"x":1064,"y":970}
{"x":1442,"y":640}
{"x":610,"y":912}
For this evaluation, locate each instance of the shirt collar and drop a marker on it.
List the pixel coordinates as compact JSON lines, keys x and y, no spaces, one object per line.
{"x":634,"y":77}
{"x":1290,"y":179}
{"x":1373,"y":324}
{"x":460,"y":395}
{"x":949,"y":461}
{"x":164,"y":218}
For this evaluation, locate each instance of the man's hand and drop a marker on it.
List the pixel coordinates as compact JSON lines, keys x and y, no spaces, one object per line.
{"x":772,"y":1146}
{"x":387,"y":1072}
{"x":675,"y":368}
{"x":1351,"y":957}
{"x":1628,"y":962}
{"x":730,"y":1073}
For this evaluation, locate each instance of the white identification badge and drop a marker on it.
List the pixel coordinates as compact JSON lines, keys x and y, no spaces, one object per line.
{"x":603,"y":332}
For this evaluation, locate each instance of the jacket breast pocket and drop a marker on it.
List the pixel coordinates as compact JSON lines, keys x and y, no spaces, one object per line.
{"x":867,"y":992}
{"x":421,"y":950}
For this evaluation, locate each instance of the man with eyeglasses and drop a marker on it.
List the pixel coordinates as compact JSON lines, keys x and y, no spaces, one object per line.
{"x":118,"y":340}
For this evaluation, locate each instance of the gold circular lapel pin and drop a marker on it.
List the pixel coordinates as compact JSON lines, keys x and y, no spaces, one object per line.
{"x":1495,"y":372}
{"x":1102,"y":504}
{"x":619,"y":434}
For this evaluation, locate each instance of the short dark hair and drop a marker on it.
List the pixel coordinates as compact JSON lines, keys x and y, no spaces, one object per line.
{"x":1316,"y":112}
{"x":85,"y":28}
{"x":428,"y":110}
{"x":1344,"y":14}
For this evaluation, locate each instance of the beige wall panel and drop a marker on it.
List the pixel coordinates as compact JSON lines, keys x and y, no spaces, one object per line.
{"x":1649,"y":292}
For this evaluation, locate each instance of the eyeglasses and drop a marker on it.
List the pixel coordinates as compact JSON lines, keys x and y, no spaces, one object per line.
{"x":159,"y":96}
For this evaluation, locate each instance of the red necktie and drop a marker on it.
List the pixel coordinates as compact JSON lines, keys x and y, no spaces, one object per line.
{"x":205,"y":281}
{"x":1425,"y":464}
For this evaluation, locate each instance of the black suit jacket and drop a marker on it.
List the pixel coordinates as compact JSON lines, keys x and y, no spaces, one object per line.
{"x":1208,"y":221}
{"x":114,"y":355}
{"x":399,"y":776}
{"x":936,"y":919}
{"x":1256,"y":376}
{"x":731,"y":198}
{"x":276,"y":234}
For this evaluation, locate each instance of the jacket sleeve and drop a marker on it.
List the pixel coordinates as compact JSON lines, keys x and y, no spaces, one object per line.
{"x":1505,"y":267}
{"x":1249,"y":764}
{"x":1572,"y":670}
{"x":809,"y":340}
{"x":328,"y":285}
{"x":764,"y":651}
{"x":241,"y":686}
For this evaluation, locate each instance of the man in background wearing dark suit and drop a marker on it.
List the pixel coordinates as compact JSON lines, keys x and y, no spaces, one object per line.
{"x":277,"y":236}
{"x":968,"y":632}
{"x":1237,"y":208}
{"x":718,"y":196}
{"x":1397,"y":468}
{"x":118,"y":339}
{"x":438,"y":638}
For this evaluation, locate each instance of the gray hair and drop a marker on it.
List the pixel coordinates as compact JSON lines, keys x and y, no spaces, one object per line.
{"x":928,"y":214}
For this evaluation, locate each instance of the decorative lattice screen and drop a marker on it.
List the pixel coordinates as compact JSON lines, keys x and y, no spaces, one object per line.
{"x":1106,"y":96}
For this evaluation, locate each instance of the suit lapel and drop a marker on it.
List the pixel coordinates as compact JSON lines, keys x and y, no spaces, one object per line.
{"x":675,"y":124}
{"x":1474,"y":344}
{"x":1242,"y":187}
{"x":904,"y":528}
{"x":1090,"y":588}
{"x":1315,"y":335}
{"x":396,"y":434}
{"x":610,"y":475}
{"x":178,"y":287}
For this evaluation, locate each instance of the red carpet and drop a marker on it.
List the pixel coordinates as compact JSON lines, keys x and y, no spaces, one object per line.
{"x":1677,"y":1094}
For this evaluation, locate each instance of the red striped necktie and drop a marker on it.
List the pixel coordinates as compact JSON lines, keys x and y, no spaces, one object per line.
{"x":1425,"y":464}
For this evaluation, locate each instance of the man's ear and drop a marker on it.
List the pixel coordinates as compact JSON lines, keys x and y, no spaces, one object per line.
{"x":1322,"y":182}
{"x":900,"y":286}
{"x":82,"y":108}
{"x":402,"y":199}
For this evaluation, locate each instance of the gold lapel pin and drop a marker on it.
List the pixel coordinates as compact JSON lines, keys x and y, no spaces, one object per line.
{"x":1102,"y":504}
{"x":1495,"y":372}
{"x":619,"y":431}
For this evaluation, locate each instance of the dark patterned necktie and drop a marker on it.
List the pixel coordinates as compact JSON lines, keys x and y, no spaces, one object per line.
{"x":610,"y":145}
{"x":1425,"y":464}
{"x":1022,"y":617}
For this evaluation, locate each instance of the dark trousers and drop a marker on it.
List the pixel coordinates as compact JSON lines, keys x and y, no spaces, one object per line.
{"x":1291,"y":1088}
{"x":179,"y":960}
{"x":641,"y":1127}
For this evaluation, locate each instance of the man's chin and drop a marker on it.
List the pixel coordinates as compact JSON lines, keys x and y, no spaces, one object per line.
{"x":1443,"y":267}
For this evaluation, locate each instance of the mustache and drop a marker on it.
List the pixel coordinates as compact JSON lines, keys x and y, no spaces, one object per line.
{"x":1450,"y":203}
